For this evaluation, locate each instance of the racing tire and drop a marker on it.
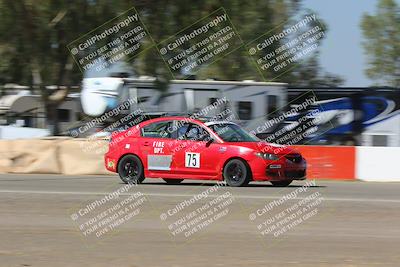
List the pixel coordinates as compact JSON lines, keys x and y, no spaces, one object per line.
{"x":236,"y":173}
{"x":281,"y":183}
{"x":130,"y":169}
{"x":173,"y":181}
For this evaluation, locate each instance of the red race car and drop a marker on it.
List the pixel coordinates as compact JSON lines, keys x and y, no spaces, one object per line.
{"x":178,"y":148}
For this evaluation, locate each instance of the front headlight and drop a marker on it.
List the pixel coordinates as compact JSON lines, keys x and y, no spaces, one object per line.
{"x":267,"y":156}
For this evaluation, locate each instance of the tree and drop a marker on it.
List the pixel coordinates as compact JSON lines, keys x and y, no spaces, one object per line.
{"x":382,"y":43}
{"x":33,"y":45}
{"x":308,"y":73}
{"x":34,"y":39}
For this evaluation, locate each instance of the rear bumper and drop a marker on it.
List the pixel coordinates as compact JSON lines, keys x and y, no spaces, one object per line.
{"x":110,"y":163}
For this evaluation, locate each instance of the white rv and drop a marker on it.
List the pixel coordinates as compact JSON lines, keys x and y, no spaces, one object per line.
{"x":248,"y":100}
{"x":22,"y":115}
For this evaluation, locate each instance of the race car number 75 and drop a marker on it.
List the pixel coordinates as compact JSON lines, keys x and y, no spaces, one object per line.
{"x":192,"y":160}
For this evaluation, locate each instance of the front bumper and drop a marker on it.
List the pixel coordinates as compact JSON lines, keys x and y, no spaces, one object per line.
{"x":286,"y":175}
{"x":287,"y":167}
{"x":293,"y":167}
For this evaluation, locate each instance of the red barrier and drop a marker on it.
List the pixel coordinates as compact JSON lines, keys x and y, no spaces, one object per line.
{"x":329,"y":162}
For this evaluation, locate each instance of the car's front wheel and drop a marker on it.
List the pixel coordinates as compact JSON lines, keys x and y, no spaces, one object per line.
{"x":173,"y":181}
{"x":130,"y":169}
{"x":281,"y":183}
{"x":236,"y":173}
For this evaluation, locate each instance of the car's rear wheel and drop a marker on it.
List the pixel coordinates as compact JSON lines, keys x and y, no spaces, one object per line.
{"x":173,"y":181}
{"x":130,"y":169}
{"x":236,"y":173}
{"x":281,"y":183}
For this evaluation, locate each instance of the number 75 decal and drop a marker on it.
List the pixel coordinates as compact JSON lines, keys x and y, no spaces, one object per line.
{"x":192,"y":160}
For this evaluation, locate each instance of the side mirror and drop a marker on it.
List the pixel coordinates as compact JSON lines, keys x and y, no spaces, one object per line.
{"x":209,"y":142}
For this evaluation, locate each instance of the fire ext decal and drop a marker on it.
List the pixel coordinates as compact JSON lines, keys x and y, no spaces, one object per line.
{"x":158,"y":147}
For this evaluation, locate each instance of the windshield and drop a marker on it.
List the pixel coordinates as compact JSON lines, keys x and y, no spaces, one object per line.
{"x":232,"y":133}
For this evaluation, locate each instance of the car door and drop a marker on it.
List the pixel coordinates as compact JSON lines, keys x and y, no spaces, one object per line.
{"x":194,"y":157}
{"x":155,"y":144}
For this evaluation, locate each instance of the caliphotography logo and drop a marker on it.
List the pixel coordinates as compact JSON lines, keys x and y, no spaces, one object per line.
{"x":202,"y":133}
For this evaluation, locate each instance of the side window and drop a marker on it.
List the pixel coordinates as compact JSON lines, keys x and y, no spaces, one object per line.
{"x":157,"y":130}
{"x":193,"y":132}
{"x":272,"y":105}
{"x":245,"y":110}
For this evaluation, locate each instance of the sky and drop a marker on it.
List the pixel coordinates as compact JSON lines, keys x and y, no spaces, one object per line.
{"x":341,"y":51}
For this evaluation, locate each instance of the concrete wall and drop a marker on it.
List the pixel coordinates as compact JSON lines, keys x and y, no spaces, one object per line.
{"x":54,"y":155}
{"x":70,"y":156}
{"x":378,"y":164}
{"x":329,"y":162}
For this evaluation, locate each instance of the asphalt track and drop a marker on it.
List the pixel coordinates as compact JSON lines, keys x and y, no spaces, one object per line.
{"x":356,"y":224}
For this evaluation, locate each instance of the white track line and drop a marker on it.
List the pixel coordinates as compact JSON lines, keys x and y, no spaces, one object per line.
{"x":40,"y":192}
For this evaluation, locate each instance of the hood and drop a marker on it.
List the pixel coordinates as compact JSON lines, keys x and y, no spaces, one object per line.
{"x":267,"y":147}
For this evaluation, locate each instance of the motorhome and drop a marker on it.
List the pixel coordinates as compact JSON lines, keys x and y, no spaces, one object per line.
{"x":355,"y":116}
